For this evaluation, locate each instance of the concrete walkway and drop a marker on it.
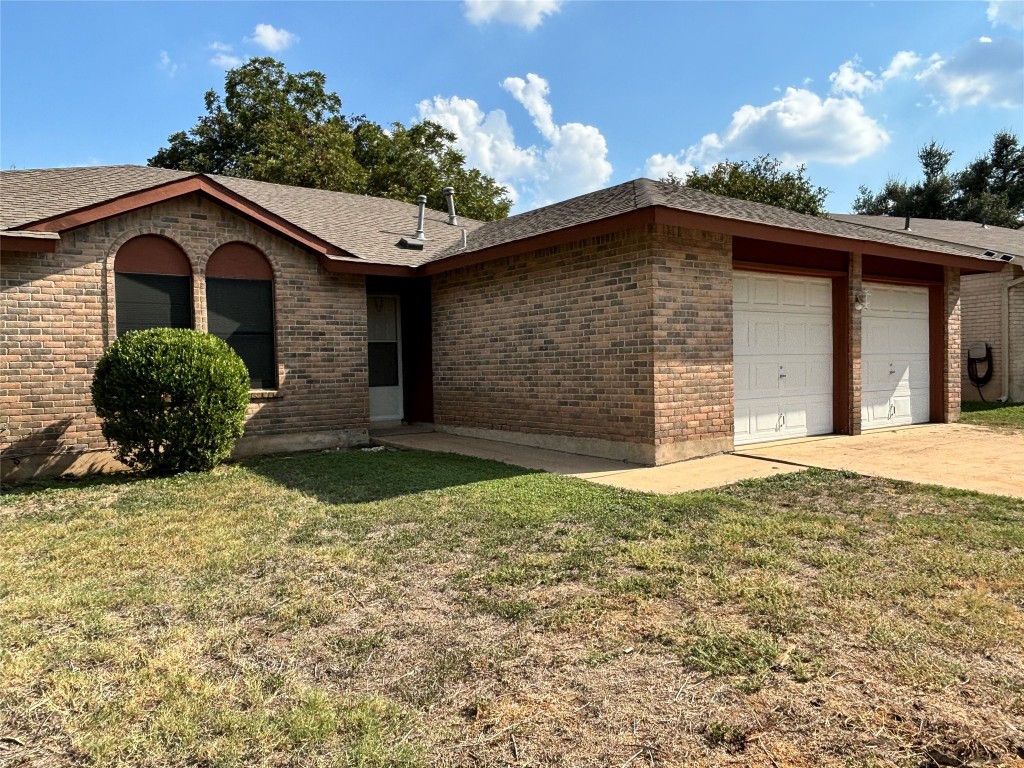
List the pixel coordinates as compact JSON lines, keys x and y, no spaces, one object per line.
{"x":954,"y":455}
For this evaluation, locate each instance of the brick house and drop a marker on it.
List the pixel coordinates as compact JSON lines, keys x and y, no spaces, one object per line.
{"x":991,"y":303}
{"x":640,"y":322}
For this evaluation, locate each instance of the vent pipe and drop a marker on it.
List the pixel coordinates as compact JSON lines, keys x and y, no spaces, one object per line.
{"x":906,"y":225}
{"x":465,"y":240}
{"x":449,"y":195}
{"x":422,"y":201}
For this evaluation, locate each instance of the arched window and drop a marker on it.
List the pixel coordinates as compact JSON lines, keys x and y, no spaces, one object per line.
{"x":152,"y":285}
{"x":240,"y":303}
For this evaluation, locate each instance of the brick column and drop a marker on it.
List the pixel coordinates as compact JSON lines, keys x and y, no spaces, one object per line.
{"x":854,"y":281}
{"x":951,"y":344}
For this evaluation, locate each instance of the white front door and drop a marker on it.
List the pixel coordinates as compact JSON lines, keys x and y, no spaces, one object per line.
{"x":782,"y":356}
{"x":894,"y":357}
{"x":384,"y":357}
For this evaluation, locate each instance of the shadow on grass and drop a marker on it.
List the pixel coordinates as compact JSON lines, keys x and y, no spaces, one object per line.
{"x":29,"y":487}
{"x":356,"y":477}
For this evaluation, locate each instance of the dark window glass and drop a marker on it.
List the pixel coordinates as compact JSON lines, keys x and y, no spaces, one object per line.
{"x":383,"y":362}
{"x":152,"y":301}
{"x":242,"y":313}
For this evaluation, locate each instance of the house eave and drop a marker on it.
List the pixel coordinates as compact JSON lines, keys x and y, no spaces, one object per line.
{"x":193,"y":184}
{"x":19,"y":241}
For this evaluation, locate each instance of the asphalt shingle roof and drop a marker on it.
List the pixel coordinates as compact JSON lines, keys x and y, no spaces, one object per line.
{"x":370,"y":228}
{"x":969,"y":233}
{"x":28,"y":196}
{"x":367,"y":227}
{"x":642,"y":193}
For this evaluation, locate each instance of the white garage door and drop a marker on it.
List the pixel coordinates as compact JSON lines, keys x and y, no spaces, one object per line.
{"x":782,"y":356}
{"x":894,"y":355}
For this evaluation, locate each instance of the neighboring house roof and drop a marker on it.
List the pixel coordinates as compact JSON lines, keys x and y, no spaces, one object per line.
{"x":362,"y":230}
{"x":969,"y":233}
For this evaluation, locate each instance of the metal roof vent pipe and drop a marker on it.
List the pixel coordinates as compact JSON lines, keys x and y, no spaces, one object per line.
{"x":422,"y":201}
{"x":906,"y":225}
{"x":449,"y":195}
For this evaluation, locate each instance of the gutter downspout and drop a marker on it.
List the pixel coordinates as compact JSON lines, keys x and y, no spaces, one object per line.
{"x":1006,"y":336}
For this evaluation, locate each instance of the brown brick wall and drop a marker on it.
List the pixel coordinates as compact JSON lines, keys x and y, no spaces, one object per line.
{"x":981,"y":300}
{"x":624,"y":338}
{"x":1016,"y":310}
{"x":951,"y":369}
{"x":58,"y":316}
{"x":855,"y":283}
{"x":556,"y":342}
{"x":693,"y":343}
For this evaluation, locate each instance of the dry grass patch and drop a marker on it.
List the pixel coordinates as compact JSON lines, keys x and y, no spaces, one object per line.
{"x":406,"y":609}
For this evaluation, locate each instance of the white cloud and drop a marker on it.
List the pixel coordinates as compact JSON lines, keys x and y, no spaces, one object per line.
{"x":166,"y":65}
{"x":849,"y":80}
{"x":902,"y":62}
{"x":528,"y":14}
{"x":659,"y":166}
{"x":981,"y":73}
{"x":1007,"y":12}
{"x":226,"y":61}
{"x":984,"y":39}
{"x":271,"y":38}
{"x":571,"y":161}
{"x":799,"y":127}
{"x":223,"y":55}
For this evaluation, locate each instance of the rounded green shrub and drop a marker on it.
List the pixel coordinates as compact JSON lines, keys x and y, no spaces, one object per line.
{"x":171,"y":399}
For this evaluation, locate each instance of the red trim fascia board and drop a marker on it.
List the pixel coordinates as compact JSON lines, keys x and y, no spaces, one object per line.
{"x":192,"y":184}
{"x":617,"y":223}
{"x":11,"y":241}
{"x":722,"y":225}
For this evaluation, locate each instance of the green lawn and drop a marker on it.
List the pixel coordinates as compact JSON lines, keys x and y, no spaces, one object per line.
{"x":413,"y":609}
{"x":993,"y":414}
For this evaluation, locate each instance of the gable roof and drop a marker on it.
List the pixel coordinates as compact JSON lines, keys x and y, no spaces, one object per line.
{"x":966,"y":233}
{"x":358,"y":227}
{"x":644,"y":193}
{"x":358,"y":230}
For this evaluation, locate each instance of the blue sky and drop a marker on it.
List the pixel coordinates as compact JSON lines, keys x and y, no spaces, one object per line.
{"x":552,"y":98}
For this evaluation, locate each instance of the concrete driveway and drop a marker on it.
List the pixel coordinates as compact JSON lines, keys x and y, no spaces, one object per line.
{"x":954,"y":455}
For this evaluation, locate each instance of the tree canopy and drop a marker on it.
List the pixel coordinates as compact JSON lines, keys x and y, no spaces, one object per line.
{"x":272,"y":125}
{"x":761,"y":180}
{"x":989,"y":190}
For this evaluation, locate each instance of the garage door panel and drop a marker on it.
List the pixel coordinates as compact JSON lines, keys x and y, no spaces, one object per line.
{"x":894,"y":357}
{"x":740,"y":289}
{"x":819,"y":295}
{"x":806,"y":416}
{"x":741,"y":379}
{"x":782,"y":357}
{"x":766,"y":420}
{"x":875,"y":407}
{"x":765,"y":337}
{"x":794,"y":293}
{"x":919,"y":373}
{"x":874,"y":333}
{"x":765,"y":380}
{"x":766,"y":291}
{"x":819,"y":337}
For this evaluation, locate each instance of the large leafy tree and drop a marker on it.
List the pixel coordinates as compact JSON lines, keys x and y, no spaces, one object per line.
{"x":989,"y":190}
{"x":761,"y":180}
{"x":273,"y":125}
